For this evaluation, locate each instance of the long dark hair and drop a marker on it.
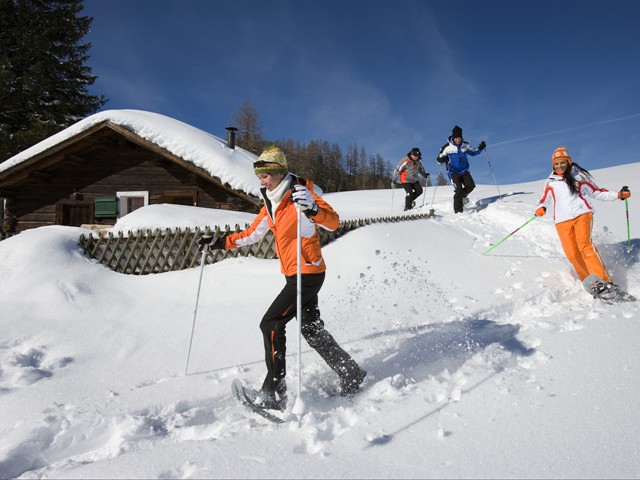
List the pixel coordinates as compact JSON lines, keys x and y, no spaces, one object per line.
{"x":571,"y":181}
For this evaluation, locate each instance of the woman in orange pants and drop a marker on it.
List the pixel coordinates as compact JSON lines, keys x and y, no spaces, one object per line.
{"x":568,"y":190}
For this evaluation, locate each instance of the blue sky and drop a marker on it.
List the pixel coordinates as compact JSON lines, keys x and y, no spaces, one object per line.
{"x":389,"y":75}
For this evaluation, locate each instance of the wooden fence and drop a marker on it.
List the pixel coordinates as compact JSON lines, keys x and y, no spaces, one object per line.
{"x":157,"y":251}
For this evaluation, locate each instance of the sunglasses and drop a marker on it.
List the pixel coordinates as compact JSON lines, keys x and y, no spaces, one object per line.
{"x":262,"y":163}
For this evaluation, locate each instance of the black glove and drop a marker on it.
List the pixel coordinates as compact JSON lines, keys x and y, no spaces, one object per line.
{"x":482,"y":145}
{"x":311,"y":212}
{"x":425,"y":174}
{"x":441,"y":160}
{"x":204,"y":240}
{"x":210,"y":243}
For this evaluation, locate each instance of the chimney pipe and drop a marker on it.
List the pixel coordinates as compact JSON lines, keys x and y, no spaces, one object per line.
{"x":231,"y":137}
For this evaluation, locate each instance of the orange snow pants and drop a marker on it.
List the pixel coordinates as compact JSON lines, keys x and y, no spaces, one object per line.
{"x":575,"y":236}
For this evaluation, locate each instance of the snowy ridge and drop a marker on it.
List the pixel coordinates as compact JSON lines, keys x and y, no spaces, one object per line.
{"x":496,"y":365}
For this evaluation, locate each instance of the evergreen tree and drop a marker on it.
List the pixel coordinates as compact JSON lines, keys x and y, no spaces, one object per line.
{"x":44,"y":79}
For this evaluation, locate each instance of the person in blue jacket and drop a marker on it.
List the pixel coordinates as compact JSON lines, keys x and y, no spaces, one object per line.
{"x":454,"y":155}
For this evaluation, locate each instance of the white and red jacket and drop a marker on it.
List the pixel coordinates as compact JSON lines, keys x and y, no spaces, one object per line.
{"x":567,"y":205}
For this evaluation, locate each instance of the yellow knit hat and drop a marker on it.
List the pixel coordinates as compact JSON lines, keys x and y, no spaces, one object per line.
{"x":271,"y":160}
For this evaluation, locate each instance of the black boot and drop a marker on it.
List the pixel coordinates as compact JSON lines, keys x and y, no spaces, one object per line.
{"x":351,"y":382}
{"x":267,"y":398}
{"x":351,"y":375}
{"x":408,"y":203}
{"x":281,"y":392}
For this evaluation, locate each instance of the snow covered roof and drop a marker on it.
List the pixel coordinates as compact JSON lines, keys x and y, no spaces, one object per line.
{"x":202,"y":149}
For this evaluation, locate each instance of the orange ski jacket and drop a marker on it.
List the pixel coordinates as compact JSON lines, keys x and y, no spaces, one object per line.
{"x":285,"y":230}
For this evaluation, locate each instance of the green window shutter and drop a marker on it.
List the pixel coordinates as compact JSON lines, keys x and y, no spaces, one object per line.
{"x":106,"y":207}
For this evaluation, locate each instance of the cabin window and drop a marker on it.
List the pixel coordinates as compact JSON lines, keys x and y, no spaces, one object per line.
{"x":182,"y":197}
{"x":131,"y":201}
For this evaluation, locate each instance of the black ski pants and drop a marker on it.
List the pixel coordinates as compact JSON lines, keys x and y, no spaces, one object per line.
{"x":463,"y":185}
{"x":273,"y":326}
{"x":414,"y":190}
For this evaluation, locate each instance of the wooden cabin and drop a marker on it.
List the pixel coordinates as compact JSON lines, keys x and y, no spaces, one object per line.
{"x":94,"y":177}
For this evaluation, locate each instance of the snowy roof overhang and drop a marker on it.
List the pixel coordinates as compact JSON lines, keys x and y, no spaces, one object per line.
{"x":202,"y":153}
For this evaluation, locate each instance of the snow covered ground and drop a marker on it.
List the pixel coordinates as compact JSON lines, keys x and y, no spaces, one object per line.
{"x":480,"y":366}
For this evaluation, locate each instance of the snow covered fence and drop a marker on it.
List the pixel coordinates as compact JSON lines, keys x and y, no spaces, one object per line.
{"x":156,"y":251}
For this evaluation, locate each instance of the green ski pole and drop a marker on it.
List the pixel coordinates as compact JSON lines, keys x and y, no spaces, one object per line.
{"x":530,"y":220}
{"x":626,"y":205}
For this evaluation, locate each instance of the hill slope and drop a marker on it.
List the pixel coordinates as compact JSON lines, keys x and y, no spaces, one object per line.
{"x":495,"y":365}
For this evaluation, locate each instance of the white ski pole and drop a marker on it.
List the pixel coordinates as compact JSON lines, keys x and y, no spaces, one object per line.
{"x":393,"y":191}
{"x":424,"y":194}
{"x":426,"y":184}
{"x":299,"y":300}
{"x":299,"y":407}
{"x":431,"y":211}
{"x":494,"y":177}
{"x":205,"y":250}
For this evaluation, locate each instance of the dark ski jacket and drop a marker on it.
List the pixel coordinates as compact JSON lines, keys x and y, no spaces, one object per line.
{"x":456,"y":156}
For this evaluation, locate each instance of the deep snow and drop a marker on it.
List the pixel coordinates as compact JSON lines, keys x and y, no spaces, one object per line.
{"x":496,"y":365}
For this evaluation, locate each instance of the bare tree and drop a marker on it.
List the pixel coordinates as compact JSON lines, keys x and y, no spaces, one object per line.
{"x":319,"y":160}
{"x":249,"y":129}
{"x":441,"y":181}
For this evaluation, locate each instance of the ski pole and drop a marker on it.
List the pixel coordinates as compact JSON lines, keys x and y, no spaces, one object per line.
{"x":299,"y":300}
{"x":531,"y":219}
{"x":424,"y":195}
{"x":626,"y":206}
{"x":434,"y":190}
{"x":494,"y":177}
{"x":426,"y":184}
{"x":299,"y":406}
{"x":393,"y":191}
{"x":205,"y":250}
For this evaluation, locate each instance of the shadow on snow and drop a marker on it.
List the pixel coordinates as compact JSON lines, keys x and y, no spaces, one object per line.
{"x":442,"y":347}
{"x":483,"y":203}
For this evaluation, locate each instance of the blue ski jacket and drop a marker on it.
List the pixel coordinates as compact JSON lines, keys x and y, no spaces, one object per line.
{"x":456,"y":156}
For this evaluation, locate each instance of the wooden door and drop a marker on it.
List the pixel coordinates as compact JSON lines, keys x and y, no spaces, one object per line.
{"x":75,"y":214}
